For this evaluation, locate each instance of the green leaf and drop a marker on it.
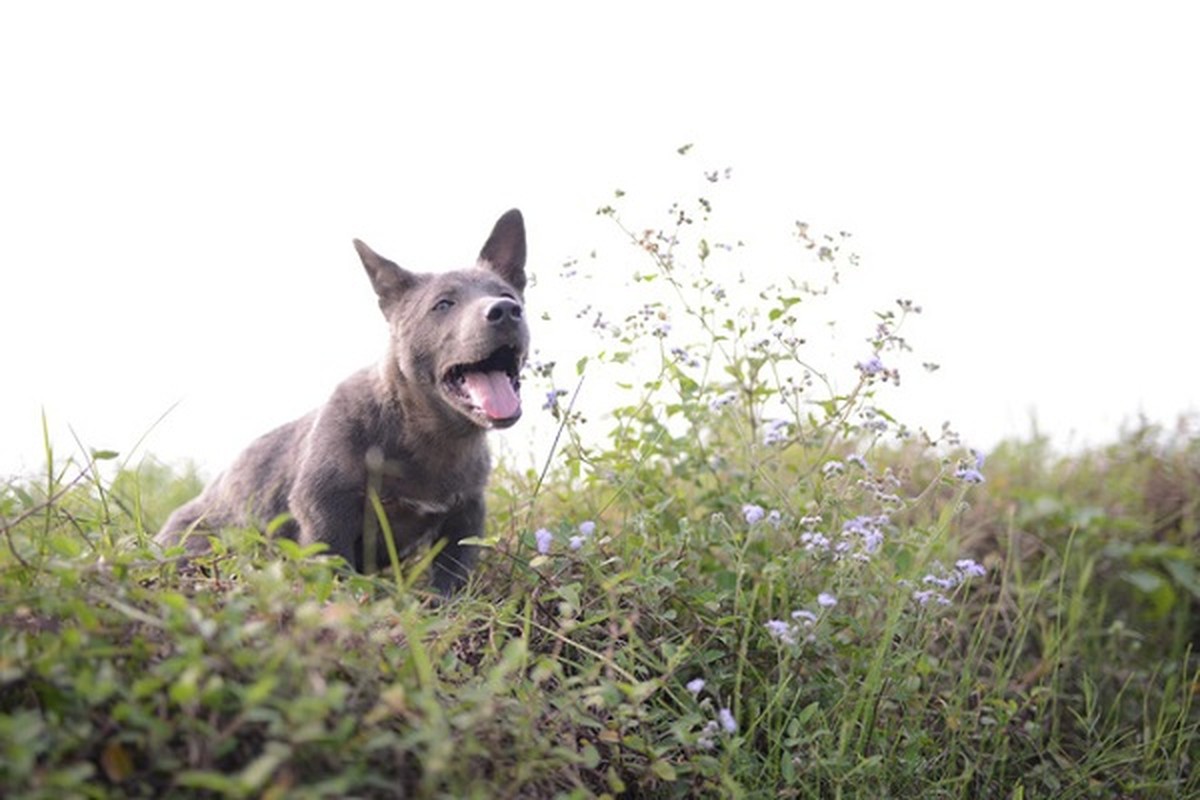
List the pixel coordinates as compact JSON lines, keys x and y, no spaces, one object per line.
{"x":590,"y":755}
{"x":213,"y":781}
{"x":1144,"y":581}
{"x":1184,"y":575}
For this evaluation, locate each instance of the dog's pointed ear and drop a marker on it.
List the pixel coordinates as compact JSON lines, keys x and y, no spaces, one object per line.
{"x":504,"y":251}
{"x":389,"y":280}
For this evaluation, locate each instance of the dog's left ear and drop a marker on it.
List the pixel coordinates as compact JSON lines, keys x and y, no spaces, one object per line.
{"x":504,"y":251}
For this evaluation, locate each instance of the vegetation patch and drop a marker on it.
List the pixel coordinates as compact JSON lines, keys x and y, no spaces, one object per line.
{"x":754,"y":583}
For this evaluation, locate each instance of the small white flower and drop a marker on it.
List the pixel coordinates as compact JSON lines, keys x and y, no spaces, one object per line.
{"x":807,"y":616}
{"x":695,"y":685}
{"x":826,"y":600}
{"x":728,"y":723}
{"x":705,"y":740}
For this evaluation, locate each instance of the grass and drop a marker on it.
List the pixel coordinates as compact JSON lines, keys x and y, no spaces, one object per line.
{"x":750,"y":587}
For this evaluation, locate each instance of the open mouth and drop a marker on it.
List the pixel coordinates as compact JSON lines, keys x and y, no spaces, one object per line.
{"x":490,"y":388}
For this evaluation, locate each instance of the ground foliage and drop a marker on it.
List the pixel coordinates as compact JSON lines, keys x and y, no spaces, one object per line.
{"x":754,"y":584}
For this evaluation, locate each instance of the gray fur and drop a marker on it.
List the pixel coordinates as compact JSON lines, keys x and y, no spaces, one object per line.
{"x":408,"y":427}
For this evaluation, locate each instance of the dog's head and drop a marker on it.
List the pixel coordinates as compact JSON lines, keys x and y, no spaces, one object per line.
{"x":461,"y":336}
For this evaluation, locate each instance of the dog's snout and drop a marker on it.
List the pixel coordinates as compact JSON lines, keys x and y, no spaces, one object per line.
{"x":504,"y":310}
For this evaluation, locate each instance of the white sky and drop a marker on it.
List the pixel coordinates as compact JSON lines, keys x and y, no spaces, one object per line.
{"x":179,"y":186}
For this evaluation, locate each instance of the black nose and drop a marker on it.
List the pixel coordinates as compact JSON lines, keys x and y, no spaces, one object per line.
{"x":504,"y":310}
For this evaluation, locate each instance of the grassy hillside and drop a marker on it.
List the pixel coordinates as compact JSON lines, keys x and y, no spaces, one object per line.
{"x":753,"y":585}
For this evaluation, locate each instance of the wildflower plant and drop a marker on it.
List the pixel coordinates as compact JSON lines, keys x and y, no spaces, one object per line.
{"x":777,"y":473}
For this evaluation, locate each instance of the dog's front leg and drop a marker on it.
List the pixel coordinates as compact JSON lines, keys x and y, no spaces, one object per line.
{"x":329,"y":509}
{"x":452,"y":565}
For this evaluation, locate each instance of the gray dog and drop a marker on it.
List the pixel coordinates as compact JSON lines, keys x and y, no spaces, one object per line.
{"x":410,"y":429}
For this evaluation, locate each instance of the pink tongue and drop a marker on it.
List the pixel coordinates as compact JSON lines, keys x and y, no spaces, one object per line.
{"x":493,"y":392}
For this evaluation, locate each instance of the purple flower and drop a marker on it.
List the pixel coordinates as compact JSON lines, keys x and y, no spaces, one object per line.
{"x":826,"y":600}
{"x":775,"y":518}
{"x":781,"y":631}
{"x":813,"y":540}
{"x":717,"y":403}
{"x":728,"y":723}
{"x":576,"y":542}
{"x":587,"y":528}
{"x":695,"y":685}
{"x":969,"y":475}
{"x":774,"y":431}
{"x":969,"y":568}
{"x":872,"y":366}
{"x":543,"y":538}
{"x":868,"y":528}
{"x":941,"y":583}
{"x":924,"y":596}
{"x":753,"y":513}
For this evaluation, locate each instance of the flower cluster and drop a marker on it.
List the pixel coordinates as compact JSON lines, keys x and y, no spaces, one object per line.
{"x":882,"y":488}
{"x":873,"y":369}
{"x":946,"y":580}
{"x":873,"y":420}
{"x":775,"y":431}
{"x":586,"y":529}
{"x":552,"y":399}
{"x":801,"y":624}
{"x":725,"y":721}
{"x":860,"y":537}
{"x":755,"y":514}
{"x":682,"y":356}
{"x":719,"y":402}
{"x":543,"y":538}
{"x":971,"y":472}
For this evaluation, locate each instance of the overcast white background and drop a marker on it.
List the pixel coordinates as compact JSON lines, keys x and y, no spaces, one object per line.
{"x":179,"y":185}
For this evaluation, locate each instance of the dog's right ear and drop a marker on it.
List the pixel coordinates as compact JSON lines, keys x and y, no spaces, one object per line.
{"x":389,"y":280}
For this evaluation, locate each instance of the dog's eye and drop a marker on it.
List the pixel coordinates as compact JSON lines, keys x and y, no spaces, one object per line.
{"x":444,"y":304}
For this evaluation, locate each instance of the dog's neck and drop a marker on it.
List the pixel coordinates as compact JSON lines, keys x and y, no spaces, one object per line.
{"x":428,"y":422}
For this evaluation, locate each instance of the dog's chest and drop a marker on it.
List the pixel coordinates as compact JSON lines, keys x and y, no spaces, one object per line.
{"x":422,"y":491}
{"x":414,"y":518}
